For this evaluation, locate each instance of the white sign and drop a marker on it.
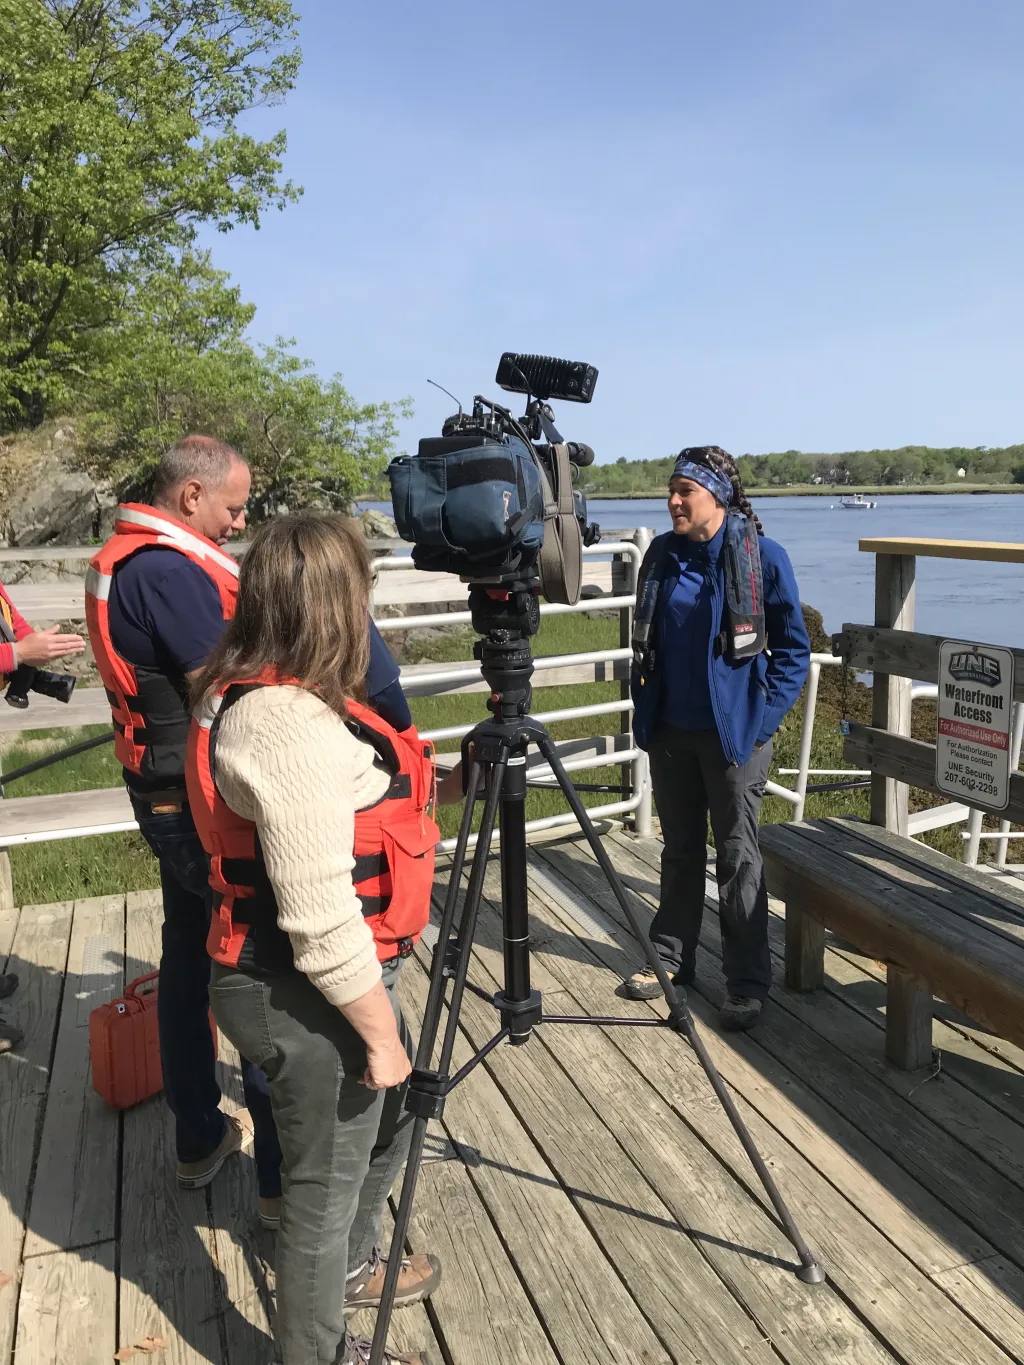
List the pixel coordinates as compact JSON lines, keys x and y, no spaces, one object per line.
{"x":972,"y":747}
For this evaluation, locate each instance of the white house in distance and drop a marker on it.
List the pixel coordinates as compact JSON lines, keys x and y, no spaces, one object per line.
{"x":961,"y":473}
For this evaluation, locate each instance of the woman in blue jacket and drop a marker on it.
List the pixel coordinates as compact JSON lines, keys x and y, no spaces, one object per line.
{"x":720,"y":655}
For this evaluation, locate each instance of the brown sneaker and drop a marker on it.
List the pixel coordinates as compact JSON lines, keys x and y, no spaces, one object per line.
{"x":194,"y":1175}
{"x":739,"y":1013}
{"x":356,"y":1351}
{"x":642,"y":985}
{"x":419,"y":1276}
{"x":268,"y":1211}
{"x":8,"y":984}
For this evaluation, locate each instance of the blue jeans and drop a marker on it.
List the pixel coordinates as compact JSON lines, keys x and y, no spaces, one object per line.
{"x":344,"y":1145}
{"x":183,"y":1004}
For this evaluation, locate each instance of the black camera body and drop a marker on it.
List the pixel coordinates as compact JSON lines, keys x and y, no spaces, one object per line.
{"x":26,"y":679}
{"x":492,"y":499}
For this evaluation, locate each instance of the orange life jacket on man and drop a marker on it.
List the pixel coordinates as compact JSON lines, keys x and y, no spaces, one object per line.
{"x":394,"y":845}
{"x":150,"y":708}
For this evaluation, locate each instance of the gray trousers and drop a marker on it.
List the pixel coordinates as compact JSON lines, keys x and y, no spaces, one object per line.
{"x":342,"y":1145}
{"x":691,"y":778}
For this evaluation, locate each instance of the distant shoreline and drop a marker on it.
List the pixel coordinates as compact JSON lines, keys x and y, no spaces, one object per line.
{"x":803,"y":490}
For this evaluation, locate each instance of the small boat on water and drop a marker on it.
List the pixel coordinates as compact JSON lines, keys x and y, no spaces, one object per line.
{"x":856,"y":502}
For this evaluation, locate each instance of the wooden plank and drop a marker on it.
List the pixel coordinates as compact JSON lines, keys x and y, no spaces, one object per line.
{"x":903,"y":654}
{"x":992,"y":1291}
{"x":742,"y":1244}
{"x":88,"y":706}
{"x":935,"y":879}
{"x":910,"y":1122}
{"x":990,"y":551}
{"x":1006,"y":898}
{"x":64,"y":815}
{"x":167,"y":1284}
{"x":965,"y":963}
{"x":74,"y":1201}
{"x":19,"y":1125}
{"x":635,"y":1227}
{"x":6,"y":888}
{"x":890,"y":697}
{"x":908,"y":1021}
{"x":39,"y":954}
{"x":991,"y":1131}
{"x":68,"y":1307}
{"x":913,"y":761}
{"x":589,"y":1316}
{"x":903,"y":1307}
{"x":988,"y":1066}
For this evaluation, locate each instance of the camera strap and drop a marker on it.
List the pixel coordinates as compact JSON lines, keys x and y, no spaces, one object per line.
{"x":561,"y":555}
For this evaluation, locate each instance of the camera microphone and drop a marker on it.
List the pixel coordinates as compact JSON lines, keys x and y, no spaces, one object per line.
{"x":580,"y":454}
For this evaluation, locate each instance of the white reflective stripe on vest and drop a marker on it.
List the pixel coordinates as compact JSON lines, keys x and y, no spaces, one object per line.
{"x":179,"y":536}
{"x":98,"y":584}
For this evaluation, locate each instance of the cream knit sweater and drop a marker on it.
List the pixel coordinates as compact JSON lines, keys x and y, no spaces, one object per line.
{"x":287,"y":762}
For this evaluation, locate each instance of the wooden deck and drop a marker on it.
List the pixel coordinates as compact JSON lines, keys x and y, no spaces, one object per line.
{"x":588,"y":1197}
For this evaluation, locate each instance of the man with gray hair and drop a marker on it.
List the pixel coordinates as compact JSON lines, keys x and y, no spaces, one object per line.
{"x":158,"y":596}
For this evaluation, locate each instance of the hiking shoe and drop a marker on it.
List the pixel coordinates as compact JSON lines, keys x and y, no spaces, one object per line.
{"x":10,"y":1036}
{"x":268,"y":1211}
{"x":356,"y":1351}
{"x":8,"y":984}
{"x":194,"y":1175}
{"x":642,"y":985}
{"x":739,"y":1012}
{"x":419,"y":1276}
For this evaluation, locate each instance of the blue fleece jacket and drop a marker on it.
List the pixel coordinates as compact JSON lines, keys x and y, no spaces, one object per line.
{"x":749,"y":699}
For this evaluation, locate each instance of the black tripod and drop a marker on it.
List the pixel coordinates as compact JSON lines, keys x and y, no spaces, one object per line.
{"x":496,"y":749}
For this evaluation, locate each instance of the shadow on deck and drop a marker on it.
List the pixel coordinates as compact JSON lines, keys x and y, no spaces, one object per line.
{"x":587,"y":1195}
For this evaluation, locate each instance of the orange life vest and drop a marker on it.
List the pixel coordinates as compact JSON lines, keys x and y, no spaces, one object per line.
{"x":394,"y":845}
{"x":150,"y":708}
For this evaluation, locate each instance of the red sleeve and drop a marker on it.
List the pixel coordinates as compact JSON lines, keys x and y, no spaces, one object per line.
{"x":21,"y":626}
{"x":21,"y":629}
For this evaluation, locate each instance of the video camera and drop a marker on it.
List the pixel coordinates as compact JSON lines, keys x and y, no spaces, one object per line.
{"x":26,"y":679}
{"x":492,"y":498}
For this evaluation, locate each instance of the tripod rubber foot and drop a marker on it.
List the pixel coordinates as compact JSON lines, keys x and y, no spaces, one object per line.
{"x":812,"y":1274}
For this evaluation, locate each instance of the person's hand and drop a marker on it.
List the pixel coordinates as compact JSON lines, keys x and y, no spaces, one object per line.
{"x":449,"y":788}
{"x":387,"y":1065}
{"x":43,"y":646}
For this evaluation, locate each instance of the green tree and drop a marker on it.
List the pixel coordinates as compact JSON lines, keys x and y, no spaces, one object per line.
{"x":119,"y":137}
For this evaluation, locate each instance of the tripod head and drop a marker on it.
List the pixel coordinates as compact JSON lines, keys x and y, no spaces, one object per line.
{"x":506,"y":614}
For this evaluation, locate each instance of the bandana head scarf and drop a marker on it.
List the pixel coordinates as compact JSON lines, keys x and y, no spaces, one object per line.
{"x":717,"y":484}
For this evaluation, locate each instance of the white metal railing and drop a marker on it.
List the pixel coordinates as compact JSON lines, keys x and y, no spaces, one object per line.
{"x":448,"y":677}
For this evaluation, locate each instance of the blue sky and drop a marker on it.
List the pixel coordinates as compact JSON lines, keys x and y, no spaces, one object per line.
{"x":770,"y":226}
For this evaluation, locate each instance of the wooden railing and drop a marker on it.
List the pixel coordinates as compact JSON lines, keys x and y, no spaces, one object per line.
{"x":896,"y":655}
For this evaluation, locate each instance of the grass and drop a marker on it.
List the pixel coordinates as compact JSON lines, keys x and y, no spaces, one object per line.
{"x":112,"y":863}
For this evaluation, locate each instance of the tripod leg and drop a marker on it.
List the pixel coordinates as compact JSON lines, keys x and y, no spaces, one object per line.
{"x":425,"y":1050}
{"x":438,"y":977}
{"x":810,"y":1270}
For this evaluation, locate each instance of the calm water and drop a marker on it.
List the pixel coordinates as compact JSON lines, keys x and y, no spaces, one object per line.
{"x":958,"y":598}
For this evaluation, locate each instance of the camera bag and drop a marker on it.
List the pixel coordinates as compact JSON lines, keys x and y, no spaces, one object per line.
{"x":473,"y":510}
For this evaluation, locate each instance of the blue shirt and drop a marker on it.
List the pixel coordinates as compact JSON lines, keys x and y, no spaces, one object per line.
{"x":684,"y":635}
{"x":165,"y":613}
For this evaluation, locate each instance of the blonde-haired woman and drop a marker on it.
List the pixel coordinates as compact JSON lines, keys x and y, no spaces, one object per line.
{"x":314,"y":812}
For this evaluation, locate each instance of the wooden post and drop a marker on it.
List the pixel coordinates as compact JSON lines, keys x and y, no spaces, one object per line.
{"x":890,"y":697}
{"x":805,"y":948}
{"x":908,"y":1020}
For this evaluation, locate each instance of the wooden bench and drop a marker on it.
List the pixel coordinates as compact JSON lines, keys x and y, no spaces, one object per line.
{"x":941,"y":928}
